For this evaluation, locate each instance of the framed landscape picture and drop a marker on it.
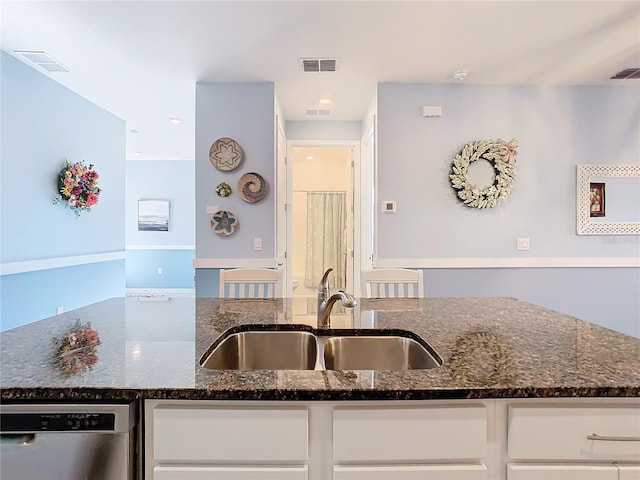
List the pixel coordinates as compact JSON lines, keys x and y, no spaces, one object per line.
{"x":153,"y":215}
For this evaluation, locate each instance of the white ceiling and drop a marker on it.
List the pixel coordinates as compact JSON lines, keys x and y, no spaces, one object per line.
{"x":141,"y":60}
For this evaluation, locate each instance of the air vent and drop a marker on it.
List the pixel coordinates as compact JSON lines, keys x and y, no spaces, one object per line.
{"x":318,"y":64}
{"x":43,"y":60}
{"x":627,"y":74}
{"x":315,"y":112}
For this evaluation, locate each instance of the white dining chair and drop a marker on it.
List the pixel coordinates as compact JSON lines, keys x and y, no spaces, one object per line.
{"x":250,"y":283}
{"x":392,"y":283}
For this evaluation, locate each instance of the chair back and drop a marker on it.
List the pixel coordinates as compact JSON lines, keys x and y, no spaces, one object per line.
{"x":392,"y":283}
{"x":250,"y":283}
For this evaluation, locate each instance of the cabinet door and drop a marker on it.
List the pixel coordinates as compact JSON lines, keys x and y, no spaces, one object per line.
{"x":561,"y":472}
{"x":417,"y":472}
{"x":392,"y":435}
{"x":229,"y":473}
{"x":628,"y":472}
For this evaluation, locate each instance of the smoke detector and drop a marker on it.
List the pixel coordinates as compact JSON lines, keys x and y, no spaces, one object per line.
{"x":460,"y":75}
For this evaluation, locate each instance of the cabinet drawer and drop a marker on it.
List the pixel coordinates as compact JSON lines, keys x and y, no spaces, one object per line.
{"x":228,"y":473}
{"x":561,"y":433}
{"x":409,"y":434}
{"x":230,"y":435}
{"x":561,"y":472}
{"x":417,"y":472}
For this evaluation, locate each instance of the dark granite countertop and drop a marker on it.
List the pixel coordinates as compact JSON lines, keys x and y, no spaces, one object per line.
{"x":150,"y":347}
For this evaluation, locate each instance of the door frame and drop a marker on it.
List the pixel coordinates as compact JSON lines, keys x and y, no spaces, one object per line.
{"x":355,"y":189}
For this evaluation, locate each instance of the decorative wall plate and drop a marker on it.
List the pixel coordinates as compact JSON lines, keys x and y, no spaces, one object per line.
{"x":224,"y":223}
{"x":252,"y":187}
{"x":225,"y":154}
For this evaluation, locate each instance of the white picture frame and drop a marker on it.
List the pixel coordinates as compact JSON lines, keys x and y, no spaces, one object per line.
{"x":153,"y":215}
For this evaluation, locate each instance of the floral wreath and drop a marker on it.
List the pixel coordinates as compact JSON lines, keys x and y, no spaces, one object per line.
{"x":78,"y":187}
{"x":501,"y":155}
{"x":76,"y":351}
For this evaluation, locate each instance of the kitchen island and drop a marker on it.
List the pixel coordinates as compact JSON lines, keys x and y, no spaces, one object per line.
{"x":491,"y":348}
{"x":523,"y":392}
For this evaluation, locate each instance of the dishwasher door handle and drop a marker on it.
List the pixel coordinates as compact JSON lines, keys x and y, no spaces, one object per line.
{"x":25,"y":439}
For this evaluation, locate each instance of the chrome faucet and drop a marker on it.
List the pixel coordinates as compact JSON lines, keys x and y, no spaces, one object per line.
{"x":326,"y":300}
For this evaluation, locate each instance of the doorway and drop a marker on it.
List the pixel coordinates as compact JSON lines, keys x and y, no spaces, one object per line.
{"x":322,"y":220}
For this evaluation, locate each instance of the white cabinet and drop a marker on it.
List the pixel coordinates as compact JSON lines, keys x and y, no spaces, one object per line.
{"x":628,"y":472}
{"x":502,"y":439}
{"x":228,"y":473}
{"x":421,"y":472}
{"x":377,"y":443}
{"x":204,"y":440}
{"x":562,"y":472}
{"x":574,"y":441}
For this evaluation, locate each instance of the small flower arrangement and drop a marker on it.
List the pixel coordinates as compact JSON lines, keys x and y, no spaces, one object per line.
{"x":78,"y":187}
{"x":76,"y":351}
{"x":223,"y":189}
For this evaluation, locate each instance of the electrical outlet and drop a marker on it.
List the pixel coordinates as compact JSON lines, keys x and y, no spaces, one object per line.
{"x":257,"y":243}
{"x":159,"y":270}
{"x":59,"y":310}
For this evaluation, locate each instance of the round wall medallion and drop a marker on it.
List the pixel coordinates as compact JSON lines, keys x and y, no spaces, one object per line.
{"x":225,"y":154}
{"x":224,"y":223}
{"x":252,"y":187}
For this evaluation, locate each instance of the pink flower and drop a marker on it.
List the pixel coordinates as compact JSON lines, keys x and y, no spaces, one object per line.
{"x":92,"y":198}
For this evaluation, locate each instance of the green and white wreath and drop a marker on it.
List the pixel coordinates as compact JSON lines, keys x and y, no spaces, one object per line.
{"x":501,"y":155}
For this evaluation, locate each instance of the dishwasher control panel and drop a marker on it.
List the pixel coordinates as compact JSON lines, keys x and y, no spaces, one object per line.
{"x":56,"y":422}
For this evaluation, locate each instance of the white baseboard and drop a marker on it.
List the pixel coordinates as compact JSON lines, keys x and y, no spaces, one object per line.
{"x":161,"y":292}
{"x":531,"y":262}
{"x":235,"y":263}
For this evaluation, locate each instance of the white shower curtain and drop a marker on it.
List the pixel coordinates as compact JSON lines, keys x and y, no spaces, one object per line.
{"x":326,"y":238}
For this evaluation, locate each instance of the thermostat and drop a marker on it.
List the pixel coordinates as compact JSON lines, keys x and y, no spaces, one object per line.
{"x":389,"y":206}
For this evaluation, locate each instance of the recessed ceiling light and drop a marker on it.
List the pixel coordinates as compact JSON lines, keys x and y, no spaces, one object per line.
{"x":137,"y":154}
{"x":309,"y":157}
{"x":134,"y":131}
{"x":175,"y":120}
{"x":325,"y":101}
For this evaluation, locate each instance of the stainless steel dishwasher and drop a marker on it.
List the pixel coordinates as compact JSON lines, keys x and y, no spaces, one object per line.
{"x":67,"y":441}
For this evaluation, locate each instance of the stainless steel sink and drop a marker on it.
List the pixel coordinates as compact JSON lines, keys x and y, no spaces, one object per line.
{"x":382,"y":352}
{"x":269,"y":347}
{"x":264,"y":350}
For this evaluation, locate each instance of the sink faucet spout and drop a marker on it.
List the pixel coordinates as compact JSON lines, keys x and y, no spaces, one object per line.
{"x":326,"y":300}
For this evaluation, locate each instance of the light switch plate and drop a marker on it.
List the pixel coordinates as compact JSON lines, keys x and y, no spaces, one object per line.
{"x":257,"y":243}
{"x":523,"y":244}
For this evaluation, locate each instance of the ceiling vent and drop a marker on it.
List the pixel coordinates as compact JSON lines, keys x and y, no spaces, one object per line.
{"x":318,"y":64}
{"x":627,"y":74}
{"x":43,"y":60}
{"x":318,"y":112}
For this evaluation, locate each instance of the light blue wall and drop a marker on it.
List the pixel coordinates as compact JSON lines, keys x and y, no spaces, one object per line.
{"x":42,"y":124}
{"x":171,"y":180}
{"x":558,"y":128}
{"x":244,"y":112}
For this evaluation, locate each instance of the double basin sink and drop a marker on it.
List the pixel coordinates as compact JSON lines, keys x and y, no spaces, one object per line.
{"x":299,"y":347}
